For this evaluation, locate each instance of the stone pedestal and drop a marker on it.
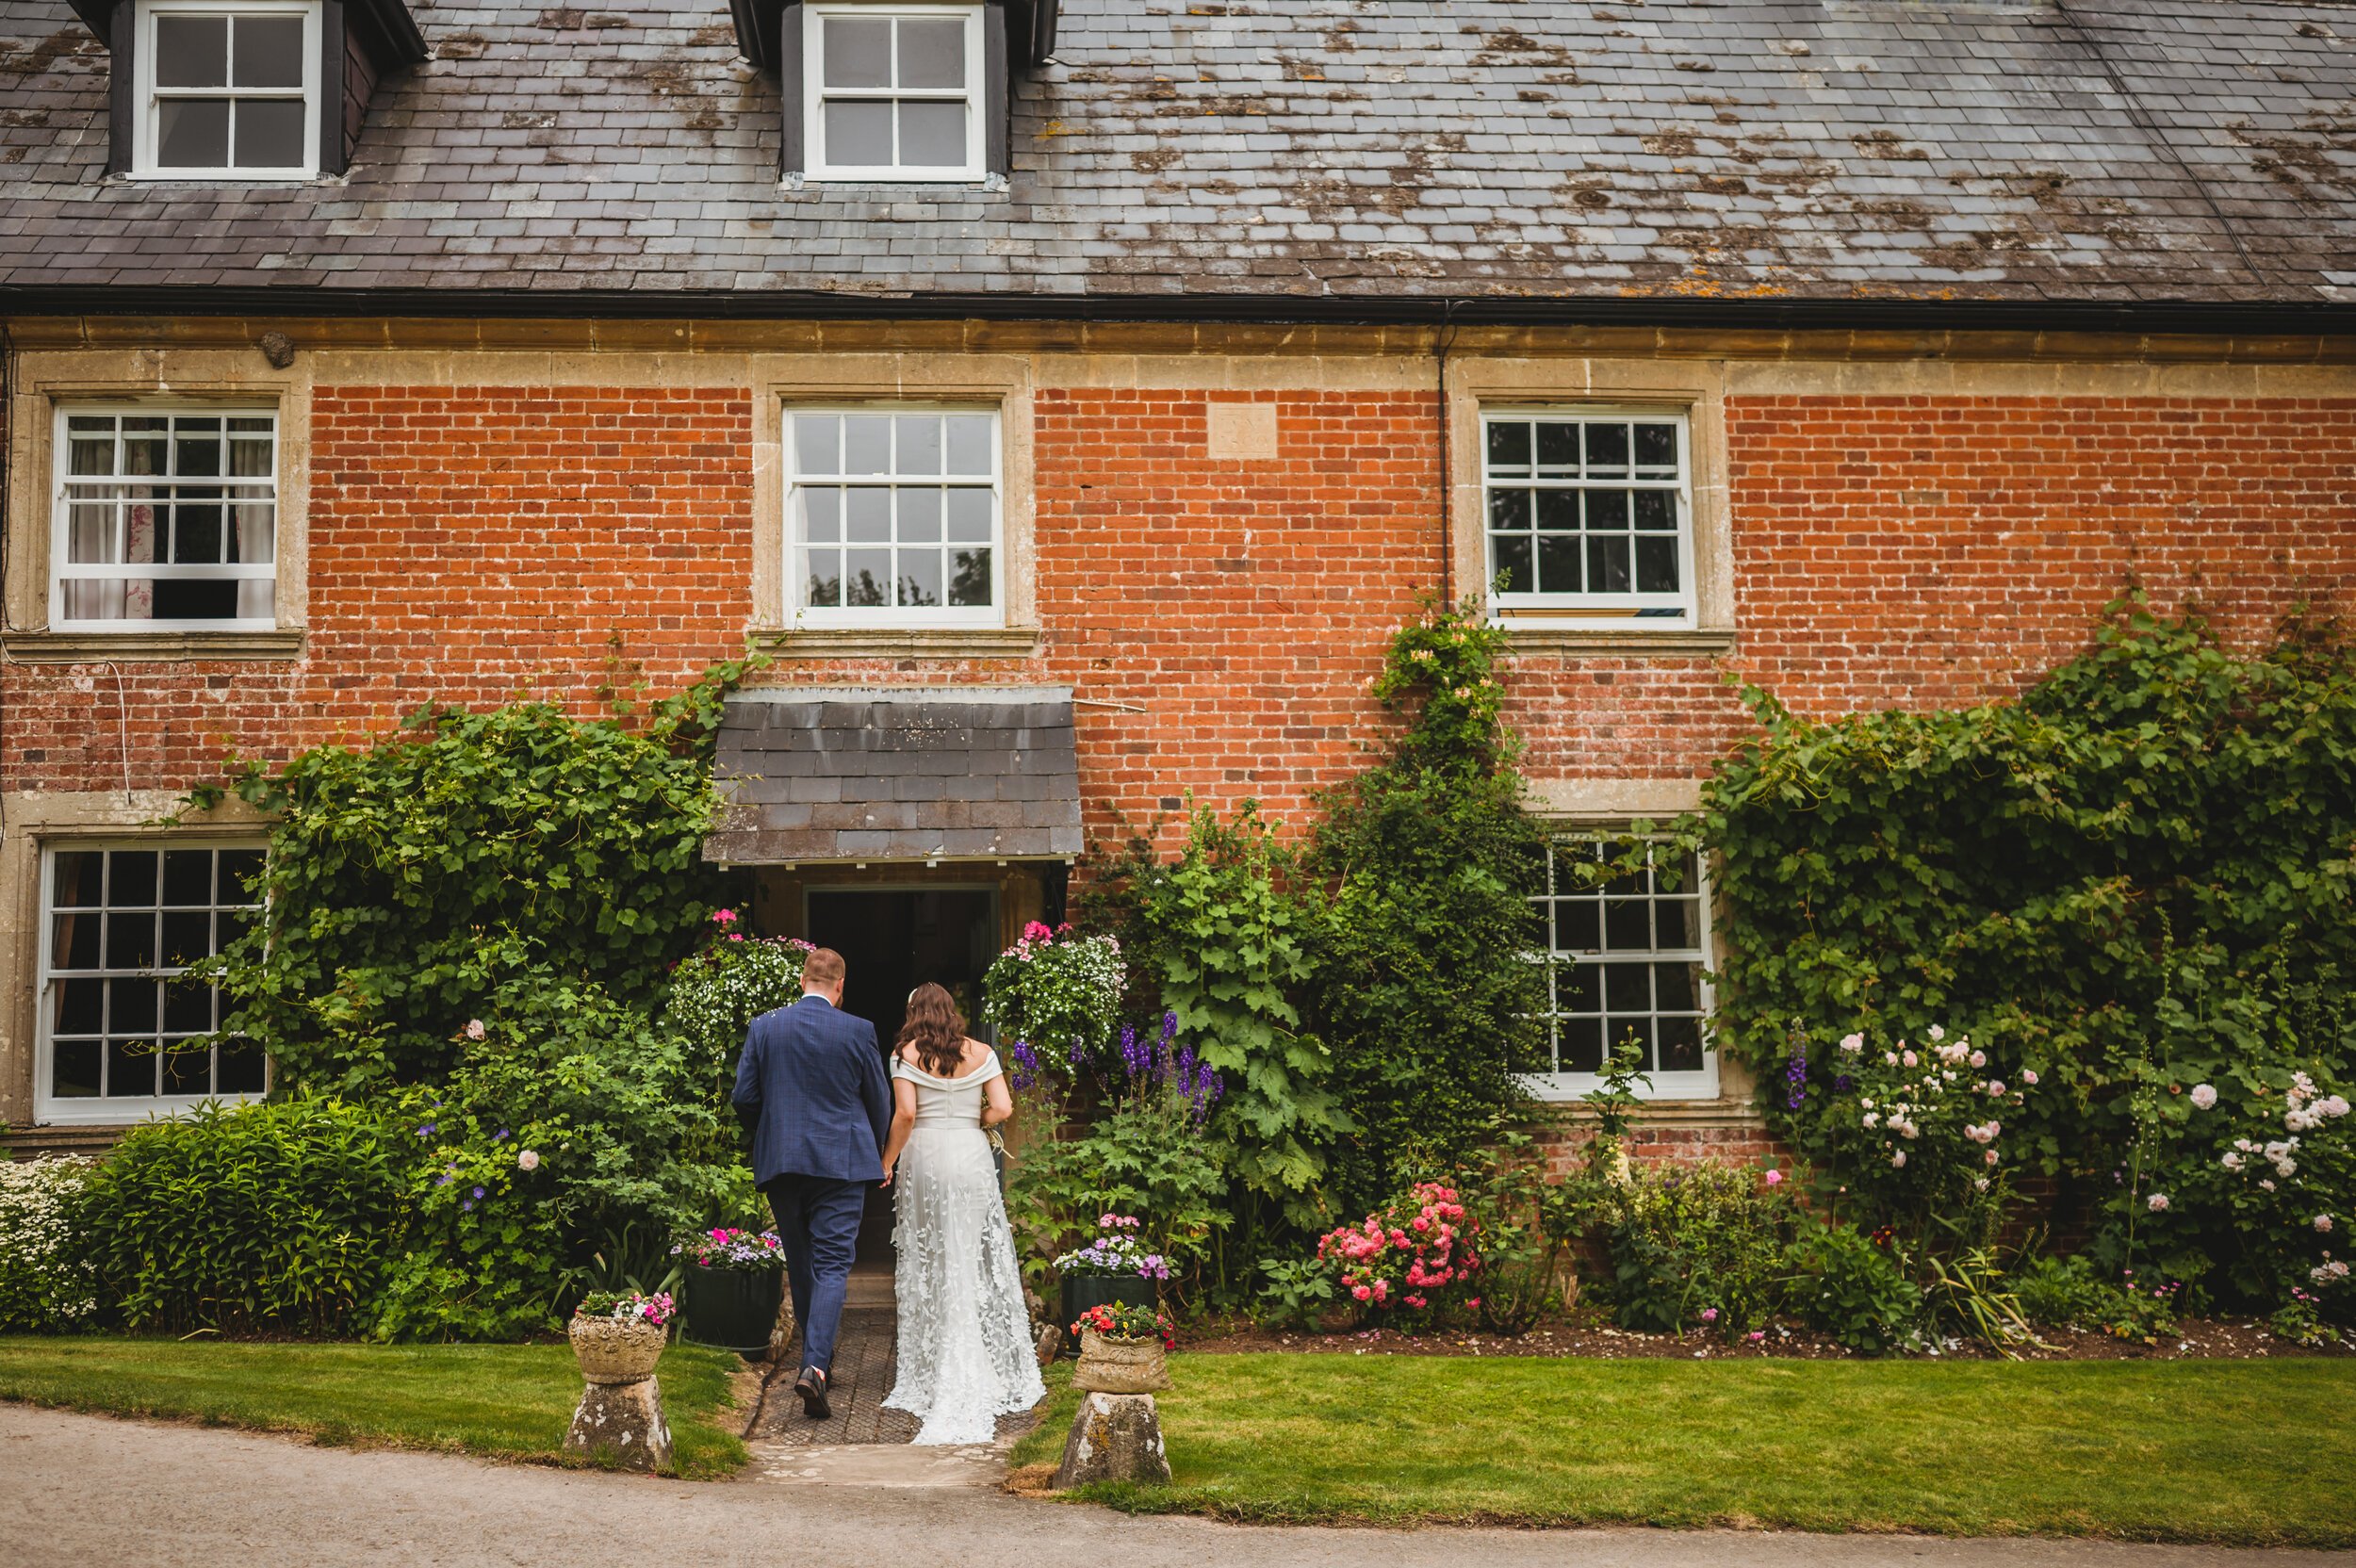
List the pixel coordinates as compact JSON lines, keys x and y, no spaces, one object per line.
{"x":622,"y":1422}
{"x":1115,"y":1437}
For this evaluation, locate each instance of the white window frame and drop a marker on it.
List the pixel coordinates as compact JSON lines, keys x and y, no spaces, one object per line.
{"x":48,"y":1108}
{"x":816,"y":93}
{"x":1701,"y":1084}
{"x":62,"y":481}
{"x":877,"y":617}
{"x":1649,"y":611}
{"x":144,"y":135}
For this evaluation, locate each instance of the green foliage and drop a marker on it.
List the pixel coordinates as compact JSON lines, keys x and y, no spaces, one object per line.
{"x":1692,"y":1245}
{"x":1526,"y":1221}
{"x":716,"y":993}
{"x":1296,"y":1292}
{"x":408,"y":882}
{"x":1969,"y":1294}
{"x":254,"y":1218}
{"x":1850,"y":1286}
{"x":2073,"y":1293}
{"x":2134,"y":879}
{"x":1418,"y":974}
{"x":46,"y":1277}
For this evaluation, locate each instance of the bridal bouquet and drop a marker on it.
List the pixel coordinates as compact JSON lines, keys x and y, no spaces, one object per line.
{"x":1116,"y":1250}
{"x":628,"y":1306}
{"x":726,"y":1248}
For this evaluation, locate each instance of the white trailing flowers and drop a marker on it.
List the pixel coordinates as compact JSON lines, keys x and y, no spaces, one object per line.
{"x":43,"y":1285}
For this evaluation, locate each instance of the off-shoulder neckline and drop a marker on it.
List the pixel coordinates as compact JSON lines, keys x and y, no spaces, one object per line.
{"x":981,"y":1073}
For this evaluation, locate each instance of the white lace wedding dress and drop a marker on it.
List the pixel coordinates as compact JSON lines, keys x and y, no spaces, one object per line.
{"x":965,"y":1352}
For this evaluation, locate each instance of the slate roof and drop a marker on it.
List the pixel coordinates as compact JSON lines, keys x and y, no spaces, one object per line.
{"x":1328,"y":150}
{"x":839,"y":774}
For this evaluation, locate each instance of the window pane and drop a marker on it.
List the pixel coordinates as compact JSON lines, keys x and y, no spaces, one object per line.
{"x":1607,"y":449}
{"x":823,"y":586}
{"x":867,"y":443}
{"x":822,"y":515}
{"x":77,"y":1006}
{"x":1558,"y":563}
{"x":239,"y":1069}
{"x":969,"y":516}
{"x":1607,"y":565}
{"x":1509,"y":447}
{"x":187,"y":1069}
{"x":1578,"y":925}
{"x":859,"y":134}
{"x":192,"y":51}
{"x":196,"y":536}
{"x":1656,"y":564}
{"x":73,"y":941}
{"x":77,"y":880}
{"x":1511,"y":562}
{"x":1607,"y":508}
{"x":868,"y":513}
{"x":1509,"y":510}
{"x":192,"y":134}
{"x":920,"y":578}
{"x":1582,"y":1045}
{"x":1558,"y":449}
{"x":818,"y":443}
{"x":968,"y":577}
{"x":1676,"y":992}
{"x":1655,"y":445}
{"x":1628,"y":924}
{"x":188,"y":1007}
{"x":1680,"y":1045}
{"x":932,"y":52}
{"x":130,"y":1067}
{"x":1558,"y":510}
{"x":1674,"y":917}
{"x":131,"y":1006}
{"x":969,"y":444}
{"x":920,"y":516}
{"x":187,"y":937}
{"x":857,"y":53}
{"x":234,"y":876}
{"x":932,"y":135}
{"x":1656,"y":509}
{"x":866,"y":576}
{"x":182,"y":599}
{"x":919,"y":444}
{"x":73,"y":1070}
{"x":269,"y":51}
{"x":270,"y":133}
{"x":131,"y":877}
{"x":130,"y":940}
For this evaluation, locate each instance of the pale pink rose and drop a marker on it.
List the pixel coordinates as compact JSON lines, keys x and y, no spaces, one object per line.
{"x":2203,"y":1096}
{"x":1909,"y":1058}
{"x":1852,"y":1043}
{"x":474,"y":1028}
{"x":2323,"y":1223}
{"x":2157,"y":1202}
{"x":1899,"y":1159}
{"x":1989,"y":1158}
{"x":528,"y":1160}
{"x":1978,"y":1058}
{"x":1937,"y":1033}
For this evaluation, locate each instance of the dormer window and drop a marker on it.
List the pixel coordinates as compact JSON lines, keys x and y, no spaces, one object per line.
{"x":893,"y":92}
{"x":228,"y":91}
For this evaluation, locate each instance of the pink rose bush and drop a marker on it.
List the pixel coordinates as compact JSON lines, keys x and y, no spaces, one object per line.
{"x":1921,"y":1127}
{"x":1418,"y":1255}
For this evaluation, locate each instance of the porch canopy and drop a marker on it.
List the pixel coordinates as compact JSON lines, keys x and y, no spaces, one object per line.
{"x":893,"y":774}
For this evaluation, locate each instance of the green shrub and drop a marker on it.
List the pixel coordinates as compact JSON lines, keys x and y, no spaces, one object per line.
{"x":2131,"y":880}
{"x":1848,"y":1286}
{"x":2075,"y":1293}
{"x":252,"y":1218}
{"x":715,"y":994}
{"x":46,"y":1283}
{"x":1692,"y":1245}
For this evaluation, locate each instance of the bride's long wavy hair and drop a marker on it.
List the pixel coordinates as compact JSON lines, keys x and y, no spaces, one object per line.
{"x":936,"y":1029}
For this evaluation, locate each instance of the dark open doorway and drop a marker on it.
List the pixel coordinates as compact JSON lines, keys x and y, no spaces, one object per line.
{"x":893,"y":940}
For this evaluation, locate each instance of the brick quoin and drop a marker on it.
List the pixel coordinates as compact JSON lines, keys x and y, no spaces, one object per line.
{"x":1220,"y":619}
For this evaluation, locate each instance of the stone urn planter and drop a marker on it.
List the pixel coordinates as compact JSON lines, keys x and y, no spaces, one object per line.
{"x":615,"y":1350}
{"x":735,"y":1309}
{"x":1120,"y":1365}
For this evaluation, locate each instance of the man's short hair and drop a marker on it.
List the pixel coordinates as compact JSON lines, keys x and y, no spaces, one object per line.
{"x":822,"y":969}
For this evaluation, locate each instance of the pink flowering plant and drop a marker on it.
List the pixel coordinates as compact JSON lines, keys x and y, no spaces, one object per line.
{"x":1416,"y":1259}
{"x":727,"y":1248}
{"x":1116,"y":1252}
{"x":1054,"y":999}
{"x":1918,"y":1128}
{"x":628,"y":1306}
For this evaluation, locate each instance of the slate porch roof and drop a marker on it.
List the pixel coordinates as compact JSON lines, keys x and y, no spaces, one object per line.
{"x":1324,"y":150}
{"x":887,"y":773}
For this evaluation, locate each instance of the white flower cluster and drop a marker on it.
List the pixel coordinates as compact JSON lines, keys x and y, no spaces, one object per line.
{"x":2303,"y":1111}
{"x":41,"y":1285}
{"x":1952,"y":1068}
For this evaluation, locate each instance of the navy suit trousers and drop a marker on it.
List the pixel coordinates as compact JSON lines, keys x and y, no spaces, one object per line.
{"x":818,"y":1220}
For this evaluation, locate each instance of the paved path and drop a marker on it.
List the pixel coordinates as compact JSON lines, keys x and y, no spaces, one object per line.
{"x":78,"y":1490}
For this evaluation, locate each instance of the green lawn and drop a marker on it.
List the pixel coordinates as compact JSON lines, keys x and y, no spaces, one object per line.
{"x":510,"y":1401}
{"x":2241,"y":1452}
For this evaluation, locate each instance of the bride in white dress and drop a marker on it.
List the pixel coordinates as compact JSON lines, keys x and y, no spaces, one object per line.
{"x":965,"y":1356}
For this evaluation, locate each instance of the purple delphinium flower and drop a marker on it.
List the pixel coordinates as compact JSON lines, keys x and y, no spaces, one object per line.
{"x":1170,"y":1027}
{"x":1797,"y":1075}
{"x":1025,"y":1064}
{"x":1076,"y":1050}
{"x":1136,"y":1058}
{"x":1842,"y":1085}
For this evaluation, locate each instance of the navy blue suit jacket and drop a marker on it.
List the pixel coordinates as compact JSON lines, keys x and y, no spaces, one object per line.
{"x":812,"y":1087}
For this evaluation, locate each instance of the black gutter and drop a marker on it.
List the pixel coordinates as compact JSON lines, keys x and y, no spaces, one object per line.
{"x":2220,"y":318}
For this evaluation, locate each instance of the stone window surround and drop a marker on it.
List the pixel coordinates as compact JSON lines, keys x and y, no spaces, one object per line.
{"x":1584,"y":804}
{"x":1002,"y":382}
{"x":46,"y":381}
{"x":38,"y":819}
{"x":1696,"y":388}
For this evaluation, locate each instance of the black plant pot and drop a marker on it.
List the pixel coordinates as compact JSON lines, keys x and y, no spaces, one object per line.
{"x":1083,"y":1291}
{"x":732,"y":1308}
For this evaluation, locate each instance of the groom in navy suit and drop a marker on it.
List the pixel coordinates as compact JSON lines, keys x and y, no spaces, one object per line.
{"x":811,"y":1086}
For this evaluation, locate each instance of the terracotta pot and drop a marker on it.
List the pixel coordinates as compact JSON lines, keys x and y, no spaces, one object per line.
{"x":617,"y":1350}
{"x":1120,"y":1365}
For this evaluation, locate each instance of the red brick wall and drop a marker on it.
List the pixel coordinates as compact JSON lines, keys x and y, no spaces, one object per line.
{"x":467,"y":544}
